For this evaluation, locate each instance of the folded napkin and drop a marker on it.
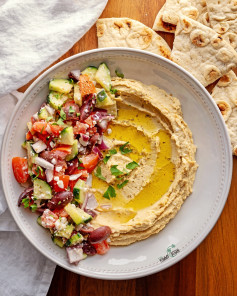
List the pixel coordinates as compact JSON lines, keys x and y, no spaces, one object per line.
{"x":33,"y":34}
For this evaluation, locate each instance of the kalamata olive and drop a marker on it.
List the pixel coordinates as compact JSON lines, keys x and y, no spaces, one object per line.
{"x":71,"y":166}
{"x":71,"y":110}
{"x":99,"y":234}
{"x":60,"y":200}
{"x":24,"y":194}
{"x":86,"y":229}
{"x":88,"y":249}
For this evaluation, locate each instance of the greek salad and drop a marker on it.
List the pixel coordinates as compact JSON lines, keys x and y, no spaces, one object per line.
{"x":64,"y":143}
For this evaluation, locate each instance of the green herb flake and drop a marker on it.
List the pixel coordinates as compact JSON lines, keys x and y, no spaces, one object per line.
{"x":110,"y":192}
{"x":26,"y":202}
{"x":124,"y":150}
{"x":33,"y":207}
{"x":80,"y":167}
{"x":106,"y":158}
{"x":78,"y":114}
{"x":42,"y":129}
{"x":132,"y":165}
{"x":63,"y":114}
{"x":98,"y":174}
{"x":101,"y":96}
{"x":119,"y":73}
{"x":113,"y":91}
{"x":121,"y":185}
{"x":54,"y":123}
{"x":71,"y":81}
{"x":71,"y":110}
{"x":115,"y":172}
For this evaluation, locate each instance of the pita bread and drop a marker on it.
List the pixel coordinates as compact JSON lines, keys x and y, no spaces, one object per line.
{"x":125,"y":32}
{"x":167,"y":17}
{"x":225,"y":95}
{"x":223,"y":19}
{"x":201,"y":51}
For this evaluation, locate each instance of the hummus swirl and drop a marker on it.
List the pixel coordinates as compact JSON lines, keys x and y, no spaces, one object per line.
{"x":162,"y":146}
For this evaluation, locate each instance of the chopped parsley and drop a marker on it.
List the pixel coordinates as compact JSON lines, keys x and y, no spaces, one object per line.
{"x":101,"y":96}
{"x":107,"y":156}
{"x":78,"y":114}
{"x":26,"y":202}
{"x":113,"y":91}
{"x":42,"y":129}
{"x":38,"y":171}
{"x":116,"y":172}
{"x":98,"y":174}
{"x":121,"y":185}
{"x":119,"y":73}
{"x":63,"y":114}
{"x":124,"y":150}
{"x":33,"y":207}
{"x":132,"y":165}
{"x":71,"y":110}
{"x":110,"y":192}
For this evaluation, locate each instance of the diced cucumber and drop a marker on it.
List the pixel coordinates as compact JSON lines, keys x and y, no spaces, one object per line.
{"x":77,"y":214}
{"x":78,"y":193}
{"x":31,"y":154}
{"x":43,"y":113}
{"x":63,"y":86}
{"x":42,"y":190}
{"x":58,"y":241}
{"x":74,"y":152}
{"x":100,"y":102}
{"x":91,"y":72}
{"x":66,"y":232}
{"x":75,"y":239}
{"x":39,"y":221}
{"x":77,"y":95}
{"x":56,"y":99}
{"x":103,"y":77}
{"x":67,"y":136}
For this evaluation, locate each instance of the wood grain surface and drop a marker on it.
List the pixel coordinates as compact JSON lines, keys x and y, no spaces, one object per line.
{"x":211,"y":269}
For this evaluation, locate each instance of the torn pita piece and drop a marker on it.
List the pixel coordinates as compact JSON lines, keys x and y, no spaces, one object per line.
{"x":201,"y":51}
{"x":125,"y":32}
{"x":225,"y":96}
{"x":167,"y":17}
{"x":223,"y":19}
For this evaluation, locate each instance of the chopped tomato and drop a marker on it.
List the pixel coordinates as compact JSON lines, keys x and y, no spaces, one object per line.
{"x":61,"y":183}
{"x":39,"y":173}
{"x":72,"y":183}
{"x":92,"y":131}
{"x":80,"y":128}
{"x":20,"y":169}
{"x":40,"y":127}
{"x":86,"y":85}
{"x":102,"y":248}
{"x":29,"y":136}
{"x":90,"y":161}
{"x":48,"y":219}
{"x":62,"y":151}
{"x":56,"y":129}
{"x":89,"y":121}
{"x":61,"y":213}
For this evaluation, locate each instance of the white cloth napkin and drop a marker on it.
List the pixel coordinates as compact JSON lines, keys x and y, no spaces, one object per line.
{"x":33,"y":34}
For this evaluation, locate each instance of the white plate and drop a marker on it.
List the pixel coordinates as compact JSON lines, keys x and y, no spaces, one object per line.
{"x":199,"y":212}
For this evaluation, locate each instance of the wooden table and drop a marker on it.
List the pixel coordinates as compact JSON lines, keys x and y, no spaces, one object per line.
{"x":211,"y":269}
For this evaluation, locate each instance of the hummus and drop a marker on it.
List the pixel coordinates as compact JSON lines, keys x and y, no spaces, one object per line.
{"x":151,"y":164}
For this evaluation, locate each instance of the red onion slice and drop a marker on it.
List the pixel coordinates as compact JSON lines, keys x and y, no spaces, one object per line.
{"x":74,"y":75}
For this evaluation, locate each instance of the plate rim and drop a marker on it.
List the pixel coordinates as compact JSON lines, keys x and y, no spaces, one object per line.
{"x":202,"y":236}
